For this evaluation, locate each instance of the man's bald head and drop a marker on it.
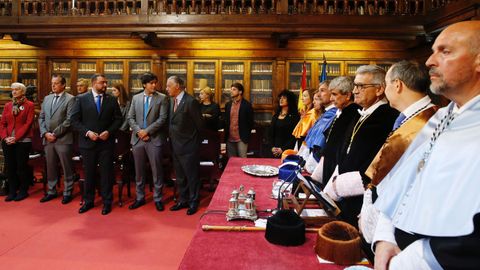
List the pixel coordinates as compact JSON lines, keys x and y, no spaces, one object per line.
{"x":455,"y":62}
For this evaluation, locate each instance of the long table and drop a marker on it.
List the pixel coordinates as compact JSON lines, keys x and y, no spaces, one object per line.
{"x":245,"y":250}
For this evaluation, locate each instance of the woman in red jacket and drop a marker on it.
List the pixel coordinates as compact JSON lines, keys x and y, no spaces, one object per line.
{"x":16,"y":134}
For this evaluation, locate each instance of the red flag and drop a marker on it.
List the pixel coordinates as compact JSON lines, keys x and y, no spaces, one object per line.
{"x":303,"y":87}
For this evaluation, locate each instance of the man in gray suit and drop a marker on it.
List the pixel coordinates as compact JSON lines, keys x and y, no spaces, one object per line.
{"x":185,"y":127}
{"x":54,"y":121}
{"x":148,"y":120}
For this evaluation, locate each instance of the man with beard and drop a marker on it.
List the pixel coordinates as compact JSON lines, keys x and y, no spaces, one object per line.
{"x":429,"y":202}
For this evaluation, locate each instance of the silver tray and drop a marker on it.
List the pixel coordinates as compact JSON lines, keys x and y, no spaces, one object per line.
{"x":260,"y":170}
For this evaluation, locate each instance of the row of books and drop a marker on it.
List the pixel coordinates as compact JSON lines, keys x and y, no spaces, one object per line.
{"x":204,"y":67}
{"x":267,"y":68}
{"x":232,"y":68}
{"x":261,"y":84}
{"x":113,"y":67}
{"x":87,"y":67}
{"x":59,"y":66}
{"x":177,"y":67}
{"x":5,"y":66}
{"x":28,"y":67}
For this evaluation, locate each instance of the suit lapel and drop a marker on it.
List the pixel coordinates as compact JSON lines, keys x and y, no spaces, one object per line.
{"x":59,"y":102}
{"x":152,"y":100}
{"x":180,"y":105}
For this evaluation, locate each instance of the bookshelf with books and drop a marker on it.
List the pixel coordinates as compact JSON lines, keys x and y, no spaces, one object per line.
{"x":334,"y":69}
{"x":385,"y":65}
{"x":27,"y":73}
{"x":136,"y":69}
{"x":178,"y":69}
{"x":6,"y":79}
{"x":86,"y":69}
{"x":352,"y":66}
{"x":261,"y":83}
{"x":231,"y":72}
{"x":203,"y":76}
{"x":113,"y":71}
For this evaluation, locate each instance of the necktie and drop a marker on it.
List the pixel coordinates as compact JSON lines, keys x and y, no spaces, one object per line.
{"x":55,"y":101}
{"x":99,"y":103}
{"x":399,"y":121}
{"x":145,"y":110}
{"x":175,"y":105}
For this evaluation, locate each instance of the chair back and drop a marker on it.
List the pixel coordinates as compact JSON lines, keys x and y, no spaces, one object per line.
{"x":210,"y":146}
{"x":122,"y":143}
{"x":37,"y":143}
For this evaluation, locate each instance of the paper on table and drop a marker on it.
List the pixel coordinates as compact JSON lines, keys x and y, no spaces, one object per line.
{"x":313,"y":213}
{"x":261,"y":223}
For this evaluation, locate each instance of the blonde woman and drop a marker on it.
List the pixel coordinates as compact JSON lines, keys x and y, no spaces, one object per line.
{"x":308,"y":116}
{"x":210,"y":110}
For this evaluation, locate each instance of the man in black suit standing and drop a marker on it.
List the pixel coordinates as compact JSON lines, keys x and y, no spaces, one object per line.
{"x":238,"y":122}
{"x":184,"y":131}
{"x":96,"y":117}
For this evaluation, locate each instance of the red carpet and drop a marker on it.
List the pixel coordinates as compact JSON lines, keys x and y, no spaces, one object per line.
{"x":50,"y":235}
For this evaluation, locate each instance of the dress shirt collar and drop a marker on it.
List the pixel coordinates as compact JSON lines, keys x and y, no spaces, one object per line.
{"x":364,"y":113}
{"x":179,"y":97}
{"x":458,"y":110}
{"x":58,"y":94}
{"x":424,"y":103}
{"x":331,"y":106}
{"x":95,"y":94}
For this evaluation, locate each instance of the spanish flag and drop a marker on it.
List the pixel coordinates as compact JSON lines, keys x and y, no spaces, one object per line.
{"x":303,"y":87}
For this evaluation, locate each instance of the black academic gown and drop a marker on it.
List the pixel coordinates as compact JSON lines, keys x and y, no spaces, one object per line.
{"x":367,"y":141}
{"x":335,"y":138}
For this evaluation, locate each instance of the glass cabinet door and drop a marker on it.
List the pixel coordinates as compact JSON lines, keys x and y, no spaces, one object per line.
{"x":27,"y":73}
{"x":86,"y":69}
{"x":6,"y":72}
{"x":203,"y":76}
{"x":295,"y":76}
{"x":333,"y":70}
{"x":136,"y":69}
{"x":231,"y":72}
{"x":261,"y":83}
{"x":352,"y":68}
{"x":65,"y":69}
{"x":113,"y":71}
{"x":178,"y":69}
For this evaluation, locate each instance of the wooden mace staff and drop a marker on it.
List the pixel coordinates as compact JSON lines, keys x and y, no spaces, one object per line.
{"x":242,"y":228}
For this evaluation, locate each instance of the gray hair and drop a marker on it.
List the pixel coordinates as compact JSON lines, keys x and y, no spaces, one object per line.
{"x":412,"y":74}
{"x":343,"y":84}
{"x":178,"y":81}
{"x":377,"y":72}
{"x":21,"y":86}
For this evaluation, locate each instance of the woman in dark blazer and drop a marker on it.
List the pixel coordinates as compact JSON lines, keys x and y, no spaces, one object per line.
{"x":121,"y":94}
{"x":16,"y":133}
{"x":283,"y":122}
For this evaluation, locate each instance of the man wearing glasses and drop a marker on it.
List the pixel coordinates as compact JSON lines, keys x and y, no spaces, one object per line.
{"x":363,"y":139}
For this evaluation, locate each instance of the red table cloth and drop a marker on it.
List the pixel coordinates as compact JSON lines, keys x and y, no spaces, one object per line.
{"x":245,"y":250}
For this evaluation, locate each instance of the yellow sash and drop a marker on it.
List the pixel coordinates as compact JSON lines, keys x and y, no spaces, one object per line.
{"x":305,"y":123}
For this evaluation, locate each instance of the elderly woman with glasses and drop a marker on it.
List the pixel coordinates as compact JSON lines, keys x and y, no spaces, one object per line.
{"x":16,"y":133}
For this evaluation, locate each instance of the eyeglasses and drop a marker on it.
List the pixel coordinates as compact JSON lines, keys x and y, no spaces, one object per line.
{"x":363,"y":86}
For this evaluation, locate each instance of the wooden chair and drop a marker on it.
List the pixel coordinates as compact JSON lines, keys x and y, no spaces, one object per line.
{"x":123,"y":163}
{"x":209,"y":154}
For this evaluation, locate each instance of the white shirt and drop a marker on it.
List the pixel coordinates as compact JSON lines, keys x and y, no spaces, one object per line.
{"x":364,"y":113}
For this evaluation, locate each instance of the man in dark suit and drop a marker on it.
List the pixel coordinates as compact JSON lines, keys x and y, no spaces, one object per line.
{"x":55,"y":129}
{"x":184,"y":130}
{"x":96,"y":117}
{"x":148,"y":120}
{"x":363,"y":138}
{"x":238,"y":122}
